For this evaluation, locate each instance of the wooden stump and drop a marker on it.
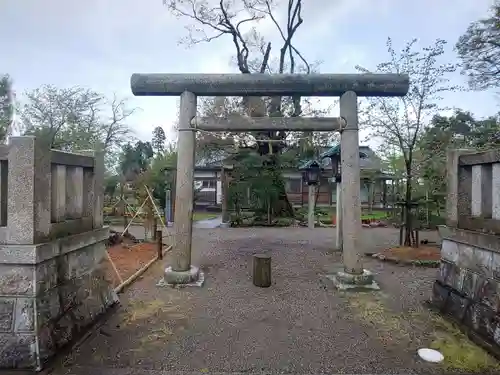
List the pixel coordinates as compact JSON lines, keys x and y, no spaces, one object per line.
{"x":262,"y":270}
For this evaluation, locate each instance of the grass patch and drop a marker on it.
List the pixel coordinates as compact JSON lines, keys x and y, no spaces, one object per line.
{"x":460,"y":354}
{"x":197,"y":216}
{"x":374,"y":216}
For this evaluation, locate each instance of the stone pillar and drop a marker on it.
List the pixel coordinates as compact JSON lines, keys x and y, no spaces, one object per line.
{"x":181,"y":271}
{"x":310,"y":206}
{"x":224,"y":196}
{"x":456,"y":205}
{"x":58,"y":211}
{"x":93,"y":182}
{"x":351,"y":207}
{"x":495,"y":191}
{"x":339,"y":220}
{"x":29,"y":181}
{"x":74,"y":192}
{"x":353,"y":276}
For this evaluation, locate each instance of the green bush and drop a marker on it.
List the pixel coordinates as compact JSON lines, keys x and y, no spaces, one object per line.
{"x":284,"y":222}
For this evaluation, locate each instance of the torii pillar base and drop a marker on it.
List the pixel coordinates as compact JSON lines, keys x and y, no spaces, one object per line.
{"x":354,"y":282}
{"x":191,"y":277}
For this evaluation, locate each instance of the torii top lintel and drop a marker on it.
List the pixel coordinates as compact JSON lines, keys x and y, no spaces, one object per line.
{"x":158,"y":84}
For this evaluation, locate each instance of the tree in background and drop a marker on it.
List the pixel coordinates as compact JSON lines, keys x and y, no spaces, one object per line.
{"x":135,"y":159}
{"x":6,"y":107}
{"x":479,"y":50}
{"x":252,"y":54}
{"x":399,"y":122}
{"x":75,"y":118}
{"x":158,"y":141}
{"x":461,"y":130}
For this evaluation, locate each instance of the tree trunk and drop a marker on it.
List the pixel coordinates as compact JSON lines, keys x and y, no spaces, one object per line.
{"x":371,"y":196}
{"x":407,"y":206}
{"x":281,"y":206}
{"x":124,"y":206}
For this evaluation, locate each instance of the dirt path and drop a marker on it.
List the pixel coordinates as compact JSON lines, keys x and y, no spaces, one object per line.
{"x":299,"y":325}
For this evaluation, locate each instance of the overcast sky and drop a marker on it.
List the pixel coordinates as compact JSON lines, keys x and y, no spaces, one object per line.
{"x":100,"y":43}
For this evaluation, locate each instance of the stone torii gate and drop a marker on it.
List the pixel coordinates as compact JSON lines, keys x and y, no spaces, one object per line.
{"x":347,"y":86}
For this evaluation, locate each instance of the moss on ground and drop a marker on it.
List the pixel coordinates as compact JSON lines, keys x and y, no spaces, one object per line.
{"x":460,"y":354}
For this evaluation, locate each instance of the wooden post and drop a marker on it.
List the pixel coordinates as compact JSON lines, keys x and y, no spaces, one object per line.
{"x":159,"y":242}
{"x":262,"y":270}
{"x":338,"y":219}
{"x":154,"y":227}
{"x":310,"y":206}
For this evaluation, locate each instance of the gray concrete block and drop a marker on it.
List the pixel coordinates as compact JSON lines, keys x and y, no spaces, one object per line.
{"x":456,"y":305}
{"x":470,"y":283}
{"x":81,"y":261}
{"x":456,"y":278}
{"x":46,"y":342}
{"x":28,"y":215}
{"x":46,"y":275}
{"x":64,"y":329}
{"x":475,"y":258}
{"x":445,"y":269}
{"x":6,"y":314}
{"x":48,"y":307}
{"x":495,"y":265}
{"x":449,"y":251}
{"x":16,"y":280}
{"x":74,"y":192}
{"x":482,"y":320}
{"x":17,"y":350}
{"x":487,"y":293}
{"x":439,"y":295}
{"x":24,"y":320}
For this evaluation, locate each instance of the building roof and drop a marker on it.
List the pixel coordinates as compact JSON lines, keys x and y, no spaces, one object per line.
{"x":368,"y":158}
{"x":335,"y":151}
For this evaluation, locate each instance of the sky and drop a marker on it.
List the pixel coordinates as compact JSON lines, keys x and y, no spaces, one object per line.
{"x":99,"y":43}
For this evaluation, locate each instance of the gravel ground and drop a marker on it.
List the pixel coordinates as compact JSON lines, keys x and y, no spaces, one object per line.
{"x":299,"y":325}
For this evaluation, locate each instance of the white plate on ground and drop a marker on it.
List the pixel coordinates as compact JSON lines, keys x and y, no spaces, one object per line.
{"x":430,"y":355}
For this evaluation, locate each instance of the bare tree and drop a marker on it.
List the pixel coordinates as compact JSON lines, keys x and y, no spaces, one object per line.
{"x":225,"y":19}
{"x":75,"y":118}
{"x":399,"y":122}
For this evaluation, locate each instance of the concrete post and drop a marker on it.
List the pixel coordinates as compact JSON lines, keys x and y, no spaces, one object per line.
{"x":181,"y":271}
{"x":168,"y":205}
{"x":310,"y":206}
{"x":351,"y":207}
{"x":29,"y":182}
{"x":338,"y":218}
{"x":224,"y":196}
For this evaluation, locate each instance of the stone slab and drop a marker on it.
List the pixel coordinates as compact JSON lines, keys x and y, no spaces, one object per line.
{"x":34,"y":254}
{"x":17,"y":351}
{"x":197,"y":283}
{"x":18,"y":280}
{"x":6,"y":314}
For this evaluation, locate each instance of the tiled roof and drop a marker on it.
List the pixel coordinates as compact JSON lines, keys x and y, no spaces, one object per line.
{"x":368,"y":158}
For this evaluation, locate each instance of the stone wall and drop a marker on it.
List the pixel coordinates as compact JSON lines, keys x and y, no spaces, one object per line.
{"x":468,"y":284}
{"x":52,"y":247}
